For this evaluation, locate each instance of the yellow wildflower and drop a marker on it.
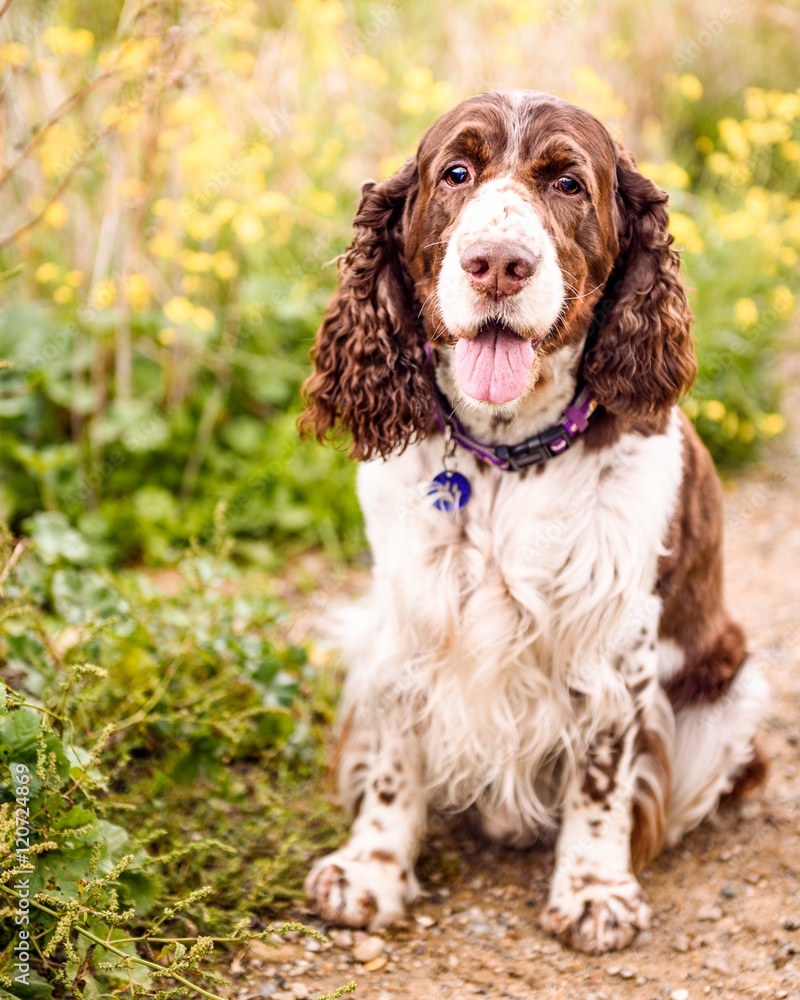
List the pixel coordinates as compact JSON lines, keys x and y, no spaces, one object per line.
{"x":178,"y":310}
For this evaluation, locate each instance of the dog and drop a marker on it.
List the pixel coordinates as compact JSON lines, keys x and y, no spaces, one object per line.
{"x":545,"y":645}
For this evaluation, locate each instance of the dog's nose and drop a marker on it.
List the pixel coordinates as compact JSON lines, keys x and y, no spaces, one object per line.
{"x":498,"y":269}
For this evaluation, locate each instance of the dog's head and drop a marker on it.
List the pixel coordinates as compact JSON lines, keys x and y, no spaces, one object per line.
{"x":519,"y":227}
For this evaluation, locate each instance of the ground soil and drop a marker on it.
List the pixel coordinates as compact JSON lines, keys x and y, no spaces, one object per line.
{"x":726,"y":902}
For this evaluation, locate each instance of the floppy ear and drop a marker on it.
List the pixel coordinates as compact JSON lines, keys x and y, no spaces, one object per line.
{"x":640,"y":358}
{"x":371,"y":376}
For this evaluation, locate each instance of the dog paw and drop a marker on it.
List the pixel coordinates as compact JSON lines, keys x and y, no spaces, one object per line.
{"x":598,"y":916}
{"x":360,"y":891}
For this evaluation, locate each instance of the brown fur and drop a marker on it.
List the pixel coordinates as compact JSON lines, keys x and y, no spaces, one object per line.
{"x":690,"y":586}
{"x":371,"y":377}
{"x":650,"y":801}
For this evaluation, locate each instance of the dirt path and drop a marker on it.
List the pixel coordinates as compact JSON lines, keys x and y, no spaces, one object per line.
{"x":726,"y":901}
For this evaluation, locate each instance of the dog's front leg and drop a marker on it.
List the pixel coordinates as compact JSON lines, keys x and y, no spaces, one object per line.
{"x":370,"y":879}
{"x":596,"y":903}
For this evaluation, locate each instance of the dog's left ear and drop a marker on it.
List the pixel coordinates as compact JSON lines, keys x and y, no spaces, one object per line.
{"x":640,"y":358}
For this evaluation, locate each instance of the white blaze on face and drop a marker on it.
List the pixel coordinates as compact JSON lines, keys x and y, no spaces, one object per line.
{"x":497,"y":335}
{"x":498,"y":211}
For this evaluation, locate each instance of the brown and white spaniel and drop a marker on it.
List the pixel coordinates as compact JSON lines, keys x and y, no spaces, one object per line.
{"x":545,"y":643}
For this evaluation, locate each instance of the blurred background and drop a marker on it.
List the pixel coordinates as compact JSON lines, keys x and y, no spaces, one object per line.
{"x":177,"y":180}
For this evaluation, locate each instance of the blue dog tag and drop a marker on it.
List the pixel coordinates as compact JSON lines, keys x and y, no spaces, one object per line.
{"x":452,"y":491}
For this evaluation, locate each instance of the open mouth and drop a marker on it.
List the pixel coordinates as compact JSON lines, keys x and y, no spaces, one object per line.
{"x":494,"y":365}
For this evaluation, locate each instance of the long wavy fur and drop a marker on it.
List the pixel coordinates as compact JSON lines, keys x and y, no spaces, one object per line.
{"x":371,"y":376}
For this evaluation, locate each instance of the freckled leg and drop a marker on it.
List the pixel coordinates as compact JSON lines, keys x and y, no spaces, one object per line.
{"x":370,"y":879}
{"x":614,"y":808}
{"x":596,"y":903}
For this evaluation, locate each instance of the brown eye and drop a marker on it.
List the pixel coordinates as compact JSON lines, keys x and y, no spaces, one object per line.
{"x":456,"y":175}
{"x":568,"y":185}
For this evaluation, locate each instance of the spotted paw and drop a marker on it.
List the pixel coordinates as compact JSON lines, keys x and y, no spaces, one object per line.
{"x":598,"y":915}
{"x":359,"y":889}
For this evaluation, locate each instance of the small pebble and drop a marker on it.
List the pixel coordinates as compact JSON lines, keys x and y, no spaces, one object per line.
{"x":627,"y":973}
{"x":341,"y":939}
{"x":424,"y":921}
{"x":717,"y":961}
{"x":613,"y":970}
{"x":681,"y":942}
{"x":313,"y":945}
{"x":679,"y":995}
{"x":299,"y":991}
{"x":369,"y":949}
{"x":728,"y":892}
{"x":791,"y":923}
{"x":375,"y":964}
{"x":710,"y":912}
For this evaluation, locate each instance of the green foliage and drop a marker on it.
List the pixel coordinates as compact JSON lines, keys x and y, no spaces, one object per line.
{"x":163,"y":746}
{"x":157,"y":349}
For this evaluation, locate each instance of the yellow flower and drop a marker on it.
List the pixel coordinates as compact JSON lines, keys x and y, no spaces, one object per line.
{"x":82,"y":41}
{"x":47,"y":272}
{"x":783,"y":300}
{"x":785,"y":106}
{"x":168,"y":335}
{"x":104,"y":294}
{"x":203,"y":319}
{"x":755,"y":103}
{"x":771,"y":424}
{"x":412,"y":103}
{"x":704,"y":145}
{"x":673,"y":175}
{"x":746,"y":312}
{"x":163,"y":244}
{"x":733,"y":135}
{"x":56,"y":215}
{"x":63,"y":294}
{"x":61,"y":41}
{"x":418,"y":78}
{"x":322,"y":202}
{"x":271,"y":203}
{"x":162,"y":208}
{"x":730,"y":425}
{"x":60,"y":149}
{"x":201,"y":226}
{"x":242,"y":62}
{"x":690,"y":408}
{"x":74,"y":278}
{"x":13,"y":54}
{"x":224,"y":265}
{"x":685,"y":232}
{"x":791,"y":150}
{"x":248,"y":227}
{"x":225,"y":209}
{"x":690,"y":87}
{"x":747,"y":431}
{"x":132,"y":187}
{"x":57,"y":39}
{"x":737,"y":225}
{"x":190,"y":284}
{"x":714,"y":409}
{"x":195,"y":261}
{"x":137,"y":291}
{"x":368,"y":69}
{"x":178,"y":310}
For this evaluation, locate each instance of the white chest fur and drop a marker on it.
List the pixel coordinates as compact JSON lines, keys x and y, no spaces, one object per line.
{"x":494,"y":632}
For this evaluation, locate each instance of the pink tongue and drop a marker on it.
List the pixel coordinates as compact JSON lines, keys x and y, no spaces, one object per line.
{"x":494,"y":366}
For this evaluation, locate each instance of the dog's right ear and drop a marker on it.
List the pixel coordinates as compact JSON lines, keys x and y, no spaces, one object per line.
{"x":371,"y":377}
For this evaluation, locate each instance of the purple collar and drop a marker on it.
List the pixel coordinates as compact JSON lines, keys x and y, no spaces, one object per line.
{"x":534,"y":450}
